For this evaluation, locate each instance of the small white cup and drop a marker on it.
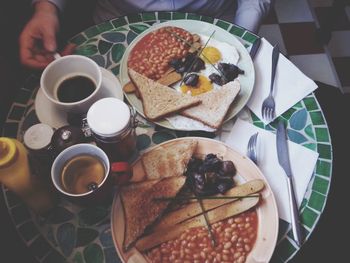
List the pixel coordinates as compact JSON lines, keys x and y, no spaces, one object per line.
{"x":69,"y":66}
{"x":68,"y":154}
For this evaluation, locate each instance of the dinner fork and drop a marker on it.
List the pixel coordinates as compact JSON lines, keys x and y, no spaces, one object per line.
{"x":251,"y":148}
{"x":268,"y":106}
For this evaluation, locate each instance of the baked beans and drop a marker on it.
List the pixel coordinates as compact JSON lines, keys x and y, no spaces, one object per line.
{"x":152,"y":54}
{"x":235,"y":237}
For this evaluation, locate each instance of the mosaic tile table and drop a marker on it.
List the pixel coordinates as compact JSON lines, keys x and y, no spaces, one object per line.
{"x":75,"y":234}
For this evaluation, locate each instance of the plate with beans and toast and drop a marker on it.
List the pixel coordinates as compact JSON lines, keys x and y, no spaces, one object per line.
{"x":194,"y":200}
{"x":187,"y":75}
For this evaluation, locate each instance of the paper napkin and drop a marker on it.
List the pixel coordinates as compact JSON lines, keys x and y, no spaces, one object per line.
{"x":302,"y":161}
{"x":291,"y":85}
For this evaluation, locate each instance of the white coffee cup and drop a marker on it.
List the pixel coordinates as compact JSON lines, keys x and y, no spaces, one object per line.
{"x":101,"y":190}
{"x":68,"y":154}
{"x":66,"y":67}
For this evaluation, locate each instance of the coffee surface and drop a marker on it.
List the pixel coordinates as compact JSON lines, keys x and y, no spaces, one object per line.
{"x":75,"y":88}
{"x":81,"y":173}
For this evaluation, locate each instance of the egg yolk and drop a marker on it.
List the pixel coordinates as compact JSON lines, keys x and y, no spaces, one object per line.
{"x":203,"y":85}
{"x":211,"y":55}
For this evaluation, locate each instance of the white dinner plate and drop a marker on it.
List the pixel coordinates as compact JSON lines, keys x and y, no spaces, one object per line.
{"x":245,"y":63}
{"x":246,"y":170}
{"x":48,"y":113}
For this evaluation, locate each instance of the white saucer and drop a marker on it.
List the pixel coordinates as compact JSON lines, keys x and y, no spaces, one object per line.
{"x":50,"y":115}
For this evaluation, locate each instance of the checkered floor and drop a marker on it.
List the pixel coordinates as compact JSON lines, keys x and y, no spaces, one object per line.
{"x":293,"y":26}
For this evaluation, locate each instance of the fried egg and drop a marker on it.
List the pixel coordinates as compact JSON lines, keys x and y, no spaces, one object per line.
{"x":215,"y":52}
{"x":203,"y":85}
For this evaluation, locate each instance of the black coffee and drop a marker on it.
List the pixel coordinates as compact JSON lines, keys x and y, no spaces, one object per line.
{"x":75,"y":88}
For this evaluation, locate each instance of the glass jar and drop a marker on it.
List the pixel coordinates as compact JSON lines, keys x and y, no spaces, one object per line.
{"x":112,"y":124}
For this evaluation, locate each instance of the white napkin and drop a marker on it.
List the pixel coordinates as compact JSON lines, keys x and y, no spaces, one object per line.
{"x":302,"y":161}
{"x":290,"y":86}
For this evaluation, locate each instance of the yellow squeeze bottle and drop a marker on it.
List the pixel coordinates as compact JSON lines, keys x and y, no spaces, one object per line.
{"x":15,"y":175}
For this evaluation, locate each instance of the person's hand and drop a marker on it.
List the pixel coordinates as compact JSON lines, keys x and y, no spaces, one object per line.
{"x":38,"y":38}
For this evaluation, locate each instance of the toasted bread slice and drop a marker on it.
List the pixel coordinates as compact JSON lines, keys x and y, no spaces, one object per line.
{"x":140,"y":208}
{"x":158,"y":100}
{"x":215,"y":105}
{"x":169,"y":159}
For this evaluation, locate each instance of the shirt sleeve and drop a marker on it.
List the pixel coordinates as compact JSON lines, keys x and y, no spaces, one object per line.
{"x":60,"y":4}
{"x":250,"y":13}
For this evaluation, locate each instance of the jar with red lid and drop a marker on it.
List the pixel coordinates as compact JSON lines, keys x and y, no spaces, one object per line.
{"x":112,"y":124}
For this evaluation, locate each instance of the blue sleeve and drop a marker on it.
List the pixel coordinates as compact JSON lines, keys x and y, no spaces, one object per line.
{"x":60,"y":4}
{"x":250,"y":13}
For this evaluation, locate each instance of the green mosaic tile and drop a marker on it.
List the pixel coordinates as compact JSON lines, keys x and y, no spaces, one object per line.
{"x":115,"y":70}
{"x":238,"y":31}
{"x":298,"y":105}
{"x":288,"y":113}
{"x":20,"y":214}
{"x":324,"y":150}
{"x":310,"y":104}
{"x":207,"y":19}
{"x":119,"y":22}
{"x":259,"y":124}
{"x":316,"y":201}
{"x":251,"y":38}
{"x":134,"y":18}
{"x":40,"y":247}
{"x":178,"y":15}
{"x":303,"y":204}
{"x":92,"y":31}
{"x":106,"y":26}
{"x":320,"y":185}
{"x":276,"y":258}
{"x":323,"y":168}
{"x":285,"y":249}
{"x":223,"y":24}
{"x":78,"y":39}
{"x":322,"y":134}
{"x":311,"y":146}
{"x":28,"y":231}
{"x":164,"y":15}
{"x":23,"y":96}
{"x":10,"y":129}
{"x":317,"y":118}
{"x":308,"y":217}
{"x":148,"y":16}
{"x":193,"y":17}
{"x":16,"y":113}
{"x":310,"y":131}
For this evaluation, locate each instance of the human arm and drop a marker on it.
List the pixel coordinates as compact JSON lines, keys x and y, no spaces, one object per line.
{"x":38,"y":38}
{"x":250,"y":13}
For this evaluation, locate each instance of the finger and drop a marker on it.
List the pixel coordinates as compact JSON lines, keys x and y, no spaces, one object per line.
{"x":34,"y":63}
{"x":49,"y":40}
{"x":68,"y":49}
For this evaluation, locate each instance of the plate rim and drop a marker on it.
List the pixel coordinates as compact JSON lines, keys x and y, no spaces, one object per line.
{"x":273,"y":204}
{"x":163,"y":122}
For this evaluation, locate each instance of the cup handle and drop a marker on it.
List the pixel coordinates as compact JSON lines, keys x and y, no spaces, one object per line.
{"x":122,"y":172}
{"x":56,"y":55}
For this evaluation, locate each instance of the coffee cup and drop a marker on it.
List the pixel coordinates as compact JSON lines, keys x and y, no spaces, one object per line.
{"x":84,"y":174}
{"x":72,"y":83}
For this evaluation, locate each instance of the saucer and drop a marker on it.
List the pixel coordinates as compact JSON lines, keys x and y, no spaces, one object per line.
{"x":48,"y":113}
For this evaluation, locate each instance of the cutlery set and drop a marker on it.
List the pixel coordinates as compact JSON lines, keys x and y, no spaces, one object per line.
{"x":284,"y":161}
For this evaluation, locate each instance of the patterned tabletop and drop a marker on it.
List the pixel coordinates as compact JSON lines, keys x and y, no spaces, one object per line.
{"x":76,"y":234}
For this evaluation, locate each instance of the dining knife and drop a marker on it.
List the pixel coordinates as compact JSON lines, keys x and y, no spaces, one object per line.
{"x":283,"y":159}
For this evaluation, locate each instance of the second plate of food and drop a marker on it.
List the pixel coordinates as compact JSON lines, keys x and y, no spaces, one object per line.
{"x":227,"y":49}
{"x":150,"y":222}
